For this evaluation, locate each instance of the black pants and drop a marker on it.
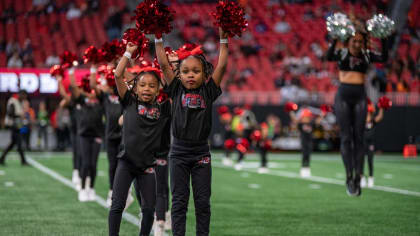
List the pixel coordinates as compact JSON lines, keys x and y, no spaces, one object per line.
{"x":307,"y":145}
{"x":162,"y":189}
{"x":16,"y":139}
{"x":369,"y":151}
{"x":90,"y":148}
{"x":181,"y":171}
{"x":146,"y":186}
{"x":112,"y":149}
{"x":351,"y":108}
{"x":42,"y":133}
{"x":263,"y":155}
{"x":75,"y":142}
{"x":26,"y":137}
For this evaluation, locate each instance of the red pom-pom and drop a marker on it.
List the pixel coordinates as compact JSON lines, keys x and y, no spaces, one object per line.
{"x":138,"y":38}
{"x":68,"y":59}
{"x":110,"y":78}
{"x":326,"y":108}
{"x":290,"y":106}
{"x":162,"y":97}
{"x":238,"y":111}
{"x":154,"y":17}
{"x":230,"y":16}
{"x":222,"y":110}
{"x":92,"y":54}
{"x":112,"y":50}
{"x":146,"y":66}
{"x":243,"y":145}
{"x":385,"y":103}
{"x":267,"y":144}
{"x":229,"y":144}
{"x":56,"y":70}
{"x":256,"y":135}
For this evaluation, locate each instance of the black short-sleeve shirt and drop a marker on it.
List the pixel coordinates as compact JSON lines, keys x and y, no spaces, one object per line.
{"x":143,"y":130}
{"x":113,"y":111}
{"x":192,"y":110}
{"x":89,"y":122}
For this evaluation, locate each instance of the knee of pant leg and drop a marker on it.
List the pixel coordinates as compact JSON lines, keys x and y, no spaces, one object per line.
{"x":117,"y":206}
{"x":148,"y":211}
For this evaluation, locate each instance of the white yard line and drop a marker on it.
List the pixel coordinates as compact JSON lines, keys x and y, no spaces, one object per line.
{"x":322,"y":180}
{"x":127,"y":216}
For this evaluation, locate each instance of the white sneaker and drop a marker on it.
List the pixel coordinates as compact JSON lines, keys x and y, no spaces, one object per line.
{"x":92,"y":195}
{"x":238,"y":166}
{"x":363,"y":182}
{"x":83,"y":195}
{"x":79,"y":187}
{"x":168,"y":221}
{"x":227,"y":161}
{"x":75,"y":177}
{"x":262,"y":170}
{"x":371,"y":182}
{"x":129,"y":201}
{"x":109,"y":199}
{"x":159,"y":228}
{"x":305,"y":172}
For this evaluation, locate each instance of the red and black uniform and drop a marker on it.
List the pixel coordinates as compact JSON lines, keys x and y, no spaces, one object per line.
{"x":142,"y":133}
{"x":190,"y":157}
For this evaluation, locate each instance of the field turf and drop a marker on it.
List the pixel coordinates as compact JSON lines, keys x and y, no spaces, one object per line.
{"x":243,"y":202}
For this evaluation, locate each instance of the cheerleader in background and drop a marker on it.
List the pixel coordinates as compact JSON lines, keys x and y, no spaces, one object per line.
{"x":228,"y":140}
{"x":262,"y":143}
{"x":244,"y":124}
{"x":350,"y":102}
{"x":306,"y":123}
{"x":371,"y":121}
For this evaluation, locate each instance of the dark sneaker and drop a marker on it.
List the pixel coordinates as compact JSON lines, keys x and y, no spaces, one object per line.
{"x":357,"y":187}
{"x":350,"y":188}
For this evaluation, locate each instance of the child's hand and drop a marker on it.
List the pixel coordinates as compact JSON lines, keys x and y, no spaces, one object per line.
{"x":131,"y":47}
{"x":223,"y":34}
{"x":173,"y":57}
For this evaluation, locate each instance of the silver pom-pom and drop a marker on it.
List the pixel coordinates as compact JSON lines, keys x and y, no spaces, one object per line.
{"x":339,"y":26}
{"x":380,"y":26}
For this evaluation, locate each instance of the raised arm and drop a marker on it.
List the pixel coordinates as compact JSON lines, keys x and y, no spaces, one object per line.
{"x":120,"y":70}
{"x":221,"y":67}
{"x":332,"y":54}
{"x":166,"y":68}
{"x":62,"y":90}
{"x":383,"y":56}
{"x":92,"y":79}
{"x":75,"y":90}
{"x":380,"y":115}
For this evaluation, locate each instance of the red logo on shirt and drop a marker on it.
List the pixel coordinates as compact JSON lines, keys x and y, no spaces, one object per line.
{"x":204,"y":160}
{"x":151,"y":113}
{"x":192,"y":100}
{"x":161,"y":162}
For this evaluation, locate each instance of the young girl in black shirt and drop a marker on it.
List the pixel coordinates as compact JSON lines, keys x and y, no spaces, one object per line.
{"x":193,"y":89}
{"x":142,"y":132}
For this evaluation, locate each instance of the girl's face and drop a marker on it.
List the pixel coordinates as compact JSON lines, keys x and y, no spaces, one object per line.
{"x":356,"y":43}
{"x":147,"y":88}
{"x":191,"y":73}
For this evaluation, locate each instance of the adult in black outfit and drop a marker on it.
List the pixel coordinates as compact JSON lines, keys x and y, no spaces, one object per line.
{"x":350,"y":101}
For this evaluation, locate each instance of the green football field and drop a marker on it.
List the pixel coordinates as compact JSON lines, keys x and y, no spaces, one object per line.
{"x":33,"y":202}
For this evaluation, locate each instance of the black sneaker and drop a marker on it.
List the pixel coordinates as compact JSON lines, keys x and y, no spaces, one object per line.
{"x":350,"y":188}
{"x":25,"y":163}
{"x":2,"y":162}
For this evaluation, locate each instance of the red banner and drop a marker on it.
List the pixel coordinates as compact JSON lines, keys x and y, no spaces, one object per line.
{"x":34,"y":81}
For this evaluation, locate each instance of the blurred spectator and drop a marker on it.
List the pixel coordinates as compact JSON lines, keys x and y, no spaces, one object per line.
{"x":27,"y":48}
{"x":27,"y":122}
{"x":42,"y":126}
{"x":261,"y":27}
{"x":8,"y":15}
{"x":3,"y":44}
{"x":28,"y":61}
{"x":293,"y":92}
{"x":12,"y":47}
{"x":73,"y":12}
{"x":282,"y":26}
{"x":62,"y":128}
{"x":52,"y":60}
{"x":113,"y":24}
{"x":15,"y":61}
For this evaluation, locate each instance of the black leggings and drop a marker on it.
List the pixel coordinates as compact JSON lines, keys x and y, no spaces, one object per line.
{"x":307,"y":144}
{"x":75,"y":142}
{"x":90,"y":147}
{"x":112,"y":149}
{"x":146,"y":186}
{"x":16,"y":138}
{"x":350,"y":109}
{"x":182,"y":171}
{"x":369,"y":151}
{"x":263,"y":154}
